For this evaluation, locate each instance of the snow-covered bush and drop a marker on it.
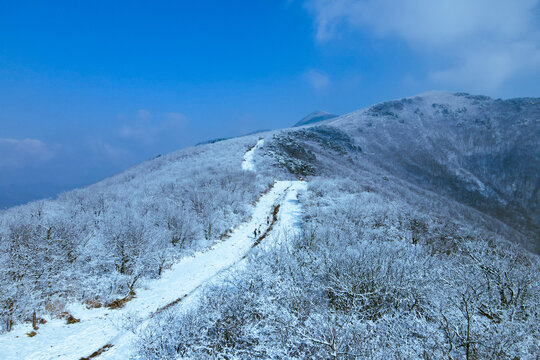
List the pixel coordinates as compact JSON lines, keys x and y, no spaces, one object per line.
{"x":95,"y":244}
{"x":371,"y":276}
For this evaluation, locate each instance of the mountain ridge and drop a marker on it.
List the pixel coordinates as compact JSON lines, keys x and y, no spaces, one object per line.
{"x":406,"y":206}
{"x":460,"y":145}
{"x":314,"y":117}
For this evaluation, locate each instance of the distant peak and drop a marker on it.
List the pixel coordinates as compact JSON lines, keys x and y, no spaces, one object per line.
{"x":314,"y":117}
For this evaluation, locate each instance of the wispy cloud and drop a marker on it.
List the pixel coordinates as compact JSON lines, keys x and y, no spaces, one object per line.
{"x":15,"y":153}
{"x":486,"y":42}
{"x":144,"y":114}
{"x":317,"y":79}
{"x":174,"y":119}
{"x":147,"y":128}
{"x":137,"y":131}
{"x":105,"y":151}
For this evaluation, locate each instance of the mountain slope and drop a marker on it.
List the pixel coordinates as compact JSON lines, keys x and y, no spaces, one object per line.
{"x":314,"y":117}
{"x":397,"y":256}
{"x":98,"y":243}
{"x":112,"y":330}
{"x":407,"y":242}
{"x":479,"y":151}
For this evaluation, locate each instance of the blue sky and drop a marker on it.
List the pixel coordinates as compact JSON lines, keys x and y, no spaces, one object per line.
{"x":89,"y":88}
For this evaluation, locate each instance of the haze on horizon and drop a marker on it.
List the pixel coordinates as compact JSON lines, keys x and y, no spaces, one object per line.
{"x":89,"y":89}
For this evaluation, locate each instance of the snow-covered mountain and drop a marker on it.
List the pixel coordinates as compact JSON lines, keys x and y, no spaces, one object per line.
{"x":314,"y":117}
{"x":482,"y":152}
{"x":415,"y":234}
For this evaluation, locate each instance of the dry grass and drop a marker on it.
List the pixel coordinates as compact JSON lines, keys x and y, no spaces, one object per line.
{"x":71,"y":320}
{"x":120,"y":303}
{"x":268,"y":188}
{"x":275,"y":212}
{"x":225,"y":235}
{"x":31,"y":334}
{"x":165,"y":307}
{"x":98,"y":352}
{"x":55,"y":307}
{"x":92,"y":304}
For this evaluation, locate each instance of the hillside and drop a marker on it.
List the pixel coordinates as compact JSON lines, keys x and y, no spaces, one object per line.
{"x":314,"y":117}
{"x":481,"y":152}
{"x":415,"y":235}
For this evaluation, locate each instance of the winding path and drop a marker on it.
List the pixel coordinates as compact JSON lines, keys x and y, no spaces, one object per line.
{"x":106,"y":334}
{"x":248,"y":164}
{"x":103,"y":328}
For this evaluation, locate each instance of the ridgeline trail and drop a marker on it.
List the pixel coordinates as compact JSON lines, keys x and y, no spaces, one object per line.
{"x":103,"y":332}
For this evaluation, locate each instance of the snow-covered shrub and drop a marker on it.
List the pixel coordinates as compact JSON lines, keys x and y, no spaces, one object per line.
{"x":95,"y":244}
{"x":373,"y":274}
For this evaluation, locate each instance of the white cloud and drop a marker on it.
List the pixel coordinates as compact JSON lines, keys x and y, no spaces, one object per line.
{"x":317,"y":79}
{"x":16,"y":153}
{"x":144,"y":114}
{"x":487,"y":41}
{"x":174,"y":119}
{"x":485,"y":69}
{"x":141,"y":129}
{"x":105,"y":151}
{"x":135,"y":132}
{"x":148,"y":132}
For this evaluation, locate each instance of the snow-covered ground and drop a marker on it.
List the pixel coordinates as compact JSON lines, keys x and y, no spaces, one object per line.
{"x":100,"y":327}
{"x":248,"y":164}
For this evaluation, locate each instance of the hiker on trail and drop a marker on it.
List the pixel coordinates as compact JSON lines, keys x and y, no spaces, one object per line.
{"x":255,"y":232}
{"x":300,"y":178}
{"x":268,"y":220}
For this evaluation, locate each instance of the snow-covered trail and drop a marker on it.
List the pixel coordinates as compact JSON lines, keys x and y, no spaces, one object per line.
{"x":248,"y":164}
{"x":103,"y":328}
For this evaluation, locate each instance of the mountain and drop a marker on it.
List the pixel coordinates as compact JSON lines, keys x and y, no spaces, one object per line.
{"x":314,"y":117}
{"x":479,"y":151}
{"x":414,"y":233}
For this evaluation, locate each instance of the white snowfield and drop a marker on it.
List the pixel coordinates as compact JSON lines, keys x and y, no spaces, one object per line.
{"x":248,"y":164}
{"x":106,"y":329}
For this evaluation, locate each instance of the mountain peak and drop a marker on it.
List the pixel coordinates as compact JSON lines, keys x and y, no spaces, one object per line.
{"x":314,"y":117}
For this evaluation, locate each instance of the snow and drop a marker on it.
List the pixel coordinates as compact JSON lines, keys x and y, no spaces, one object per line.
{"x":99,"y":327}
{"x":248,"y":164}
{"x":290,"y":213}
